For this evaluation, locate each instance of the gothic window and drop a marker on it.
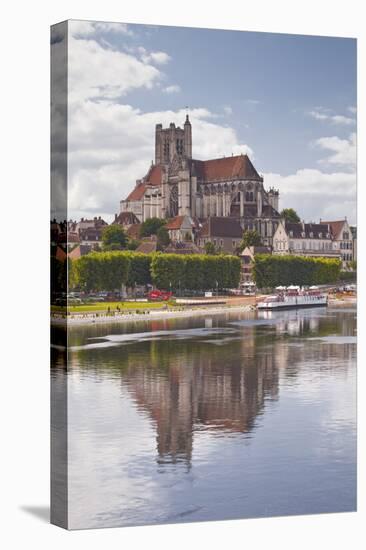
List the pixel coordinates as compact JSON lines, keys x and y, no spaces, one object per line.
{"x":235,"y":205}
{"x":166,"y":151}
{"x":179,"y":146}
{"x":173,"y":201}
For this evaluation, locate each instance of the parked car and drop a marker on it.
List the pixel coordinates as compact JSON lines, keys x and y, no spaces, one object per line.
{"x":159,"y":295}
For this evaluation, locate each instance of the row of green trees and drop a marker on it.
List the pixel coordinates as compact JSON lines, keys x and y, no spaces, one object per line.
{"x":109,"y":270}
{"x":195,"y":271}
{"x":270,"y":270}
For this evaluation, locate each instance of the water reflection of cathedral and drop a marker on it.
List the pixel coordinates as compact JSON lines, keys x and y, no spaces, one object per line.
{"x":202,"y":391}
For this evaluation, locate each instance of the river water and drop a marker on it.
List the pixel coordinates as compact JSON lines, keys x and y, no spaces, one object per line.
{"x":223,"y":417}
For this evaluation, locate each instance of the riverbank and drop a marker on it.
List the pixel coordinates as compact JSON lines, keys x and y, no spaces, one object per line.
{"x":127,"y":317}
{"x":233,"y":305}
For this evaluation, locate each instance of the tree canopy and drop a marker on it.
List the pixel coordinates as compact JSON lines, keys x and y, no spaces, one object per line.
{"x":109,"y":270}
{"x":272,"y":270}
{"x":251,"y":237}
{"x":210,"y":248}
{"x":163,"y":237}
{"x":114,"y":237}
{"x":151,"y":226}
{"x":290,"y":215}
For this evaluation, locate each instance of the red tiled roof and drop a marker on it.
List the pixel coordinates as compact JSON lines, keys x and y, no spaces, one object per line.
{"x":225,"y":168}
{"x":154,"y":175}
{"x":137,"y":193}
{"x":175,"y":223}
{"x":147,"y":247}
{"x":335,"y":226}
{"x":79,"y":251}
{"x":134,"y":231}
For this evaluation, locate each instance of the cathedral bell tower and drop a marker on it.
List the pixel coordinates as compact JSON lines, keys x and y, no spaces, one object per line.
{"x":173,"y":141}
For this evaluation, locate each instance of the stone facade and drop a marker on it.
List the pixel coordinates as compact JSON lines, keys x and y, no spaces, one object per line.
{"x":342,"y":240}
{"x":178,"y":185}
{"x":305,"y":239}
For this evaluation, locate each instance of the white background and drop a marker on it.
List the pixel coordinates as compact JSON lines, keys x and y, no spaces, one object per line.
{"x":24,"y":377}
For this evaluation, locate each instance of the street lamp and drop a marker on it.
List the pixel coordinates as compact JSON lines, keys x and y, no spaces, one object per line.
{"x":217,"y":288}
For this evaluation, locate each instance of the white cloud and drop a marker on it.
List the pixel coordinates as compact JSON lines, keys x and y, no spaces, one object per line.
{"x":87,"y":28}
{"x":228,"y":110}
{"x":315,"y":194}
{"x":352,"y":109}
{"x":172,"y":89}
{"x":323,"y":114}
{"x":343,"y":150}
{"x":157,"y":58}
{"x":96,"y":71}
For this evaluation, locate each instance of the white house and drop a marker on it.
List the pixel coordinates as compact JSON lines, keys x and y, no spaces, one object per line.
{"x":304,"y":239}
{"x":342,"y":239}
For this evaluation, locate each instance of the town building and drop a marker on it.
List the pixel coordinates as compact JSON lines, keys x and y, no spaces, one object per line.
{"x":126,"y":219}
{"x":176,"y":184}
{"x":224,"y":233}
{"x":182,"y":228}
{"x":305,"y":239}
{"x":148,"y":245}
{"x":354,"y":242}
{"x":247,"y":257}
{"x":88,"y":231}
{"x":342,"y":240}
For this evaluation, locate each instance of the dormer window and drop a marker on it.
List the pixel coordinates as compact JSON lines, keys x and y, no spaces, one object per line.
{"x":320,"y":235}
{"x":291,"y":233}
{"x":311,"y":234}
{"x":328,"y":235}
{"x":303,"y":234}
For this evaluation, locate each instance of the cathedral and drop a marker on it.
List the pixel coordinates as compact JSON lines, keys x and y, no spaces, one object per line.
{"x":176,"y":185}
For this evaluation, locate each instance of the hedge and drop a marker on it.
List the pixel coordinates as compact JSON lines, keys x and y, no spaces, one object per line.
{"x":270,"y":270}
{"x":109,"y":270}
{"x":101,"y":270}
{"x":348,"y":276}
{"x":195,"y":271}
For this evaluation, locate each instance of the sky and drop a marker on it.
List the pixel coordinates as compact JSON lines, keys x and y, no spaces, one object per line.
{"x":288,"y":101}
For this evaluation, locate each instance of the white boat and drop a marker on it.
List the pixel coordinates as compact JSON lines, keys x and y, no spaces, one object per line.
{"x":294,"y":297}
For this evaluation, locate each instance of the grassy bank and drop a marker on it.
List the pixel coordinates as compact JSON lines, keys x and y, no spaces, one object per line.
{"x":111,"y":306}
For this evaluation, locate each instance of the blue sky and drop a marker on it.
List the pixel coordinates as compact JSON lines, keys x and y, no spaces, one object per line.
{"x":287,"y":75}
{"x":288,"y":101}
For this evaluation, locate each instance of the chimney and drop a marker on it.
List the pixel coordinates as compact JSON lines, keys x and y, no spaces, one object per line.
{"x":115,"y":217}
